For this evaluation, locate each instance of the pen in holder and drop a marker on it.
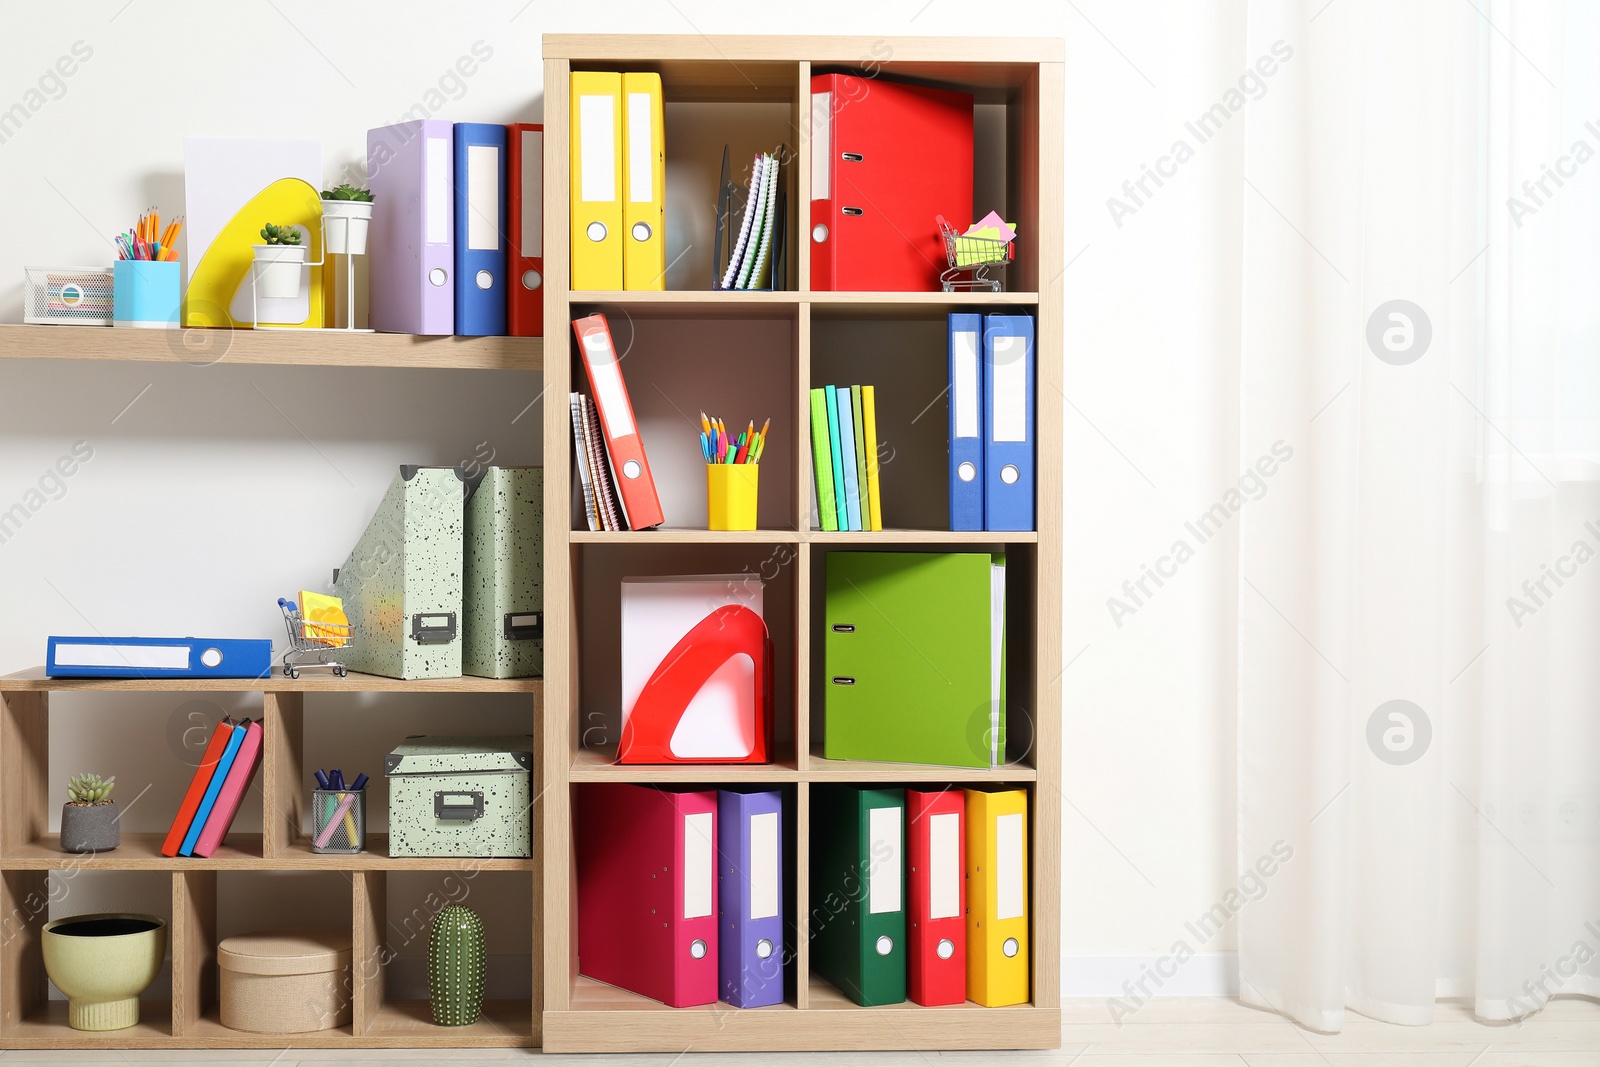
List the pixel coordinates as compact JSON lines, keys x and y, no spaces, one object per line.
{"x":731,"y":495}
{"x":338,"y":820}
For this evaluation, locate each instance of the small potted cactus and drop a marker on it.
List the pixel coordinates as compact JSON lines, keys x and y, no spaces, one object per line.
{"x":346,"y":214}
{"x":89,"y":817}
{"x":279,"y":262}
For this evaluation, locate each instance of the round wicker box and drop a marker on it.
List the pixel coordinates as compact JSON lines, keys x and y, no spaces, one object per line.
{"x":285,"y":982}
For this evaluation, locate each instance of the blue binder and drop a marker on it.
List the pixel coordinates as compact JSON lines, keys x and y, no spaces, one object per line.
{"x":966,"y":421}
{"x":831,"y":395}
{"x":218,"y":776}
{"x":481,"y":247}
{"x":847,"y":442}
{"x":1008,"y":425}
{"x":156,"y":657}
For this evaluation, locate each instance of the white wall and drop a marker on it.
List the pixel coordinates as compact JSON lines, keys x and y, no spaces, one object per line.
{"x":222,"y":487}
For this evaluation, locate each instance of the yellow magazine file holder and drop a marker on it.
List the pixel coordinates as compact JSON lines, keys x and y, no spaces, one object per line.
{"x":225,"y":265}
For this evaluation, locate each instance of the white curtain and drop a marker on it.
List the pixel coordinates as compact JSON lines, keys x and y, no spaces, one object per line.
{"x":1419,"y":585}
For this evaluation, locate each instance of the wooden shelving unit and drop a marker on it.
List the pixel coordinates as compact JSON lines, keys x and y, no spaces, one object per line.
{"x":1020,"y":83}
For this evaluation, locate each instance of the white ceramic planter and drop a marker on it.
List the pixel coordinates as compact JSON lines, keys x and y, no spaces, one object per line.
{"x":278,"y":270}
{"x":346,"y":222}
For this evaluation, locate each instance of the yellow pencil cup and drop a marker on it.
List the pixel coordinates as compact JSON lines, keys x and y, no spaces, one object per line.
{"x":731,"y":495}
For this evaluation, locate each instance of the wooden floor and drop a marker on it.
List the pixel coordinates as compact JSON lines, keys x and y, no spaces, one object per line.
{"x":1174,"y":1032}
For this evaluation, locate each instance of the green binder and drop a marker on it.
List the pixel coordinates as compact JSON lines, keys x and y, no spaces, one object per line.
{"x":858,"y":914}
{"x":914,"y":658}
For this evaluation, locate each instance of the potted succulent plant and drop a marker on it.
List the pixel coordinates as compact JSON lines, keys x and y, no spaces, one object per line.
{"x":89,"y":817}
{"x":279,"y":262}
{"x":347,"y":212}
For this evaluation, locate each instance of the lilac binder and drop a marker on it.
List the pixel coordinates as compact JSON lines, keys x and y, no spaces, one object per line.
{"x":750,"y":897}
{"x":411,"y":243}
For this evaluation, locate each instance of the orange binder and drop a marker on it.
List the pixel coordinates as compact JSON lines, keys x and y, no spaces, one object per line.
{"x":525,"y":294}
{"x":623,"y":442}
{"x":197,"y":788}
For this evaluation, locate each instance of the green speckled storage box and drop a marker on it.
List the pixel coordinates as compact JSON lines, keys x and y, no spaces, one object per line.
{"x":502,"y":633}
{"x":401,"y":585}
{"x":461,"y":796}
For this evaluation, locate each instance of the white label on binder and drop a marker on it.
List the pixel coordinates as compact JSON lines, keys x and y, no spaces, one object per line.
{"x":764,"y":865}
{"x":964,"y":387}
{"x":641,"y":185}
{"x":1010,"y":387}
{"x":157,"y":657}
{"x":944,"y":865}
{"x":883,"y":855}
{"x":699,"y":872}
{"x":1008,"y":846}
{"x":597,"y":141}
{"x":483,"y":197}
{"x":609,"y":395}
{"x":821,"y":143}
{"x":532,"y":194}
{"x":436,"y":168}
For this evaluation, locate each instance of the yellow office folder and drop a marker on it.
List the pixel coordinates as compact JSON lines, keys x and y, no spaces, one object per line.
{"x":644,"y":249}
{"x":596,"y":175}
{"x":997,"y":897}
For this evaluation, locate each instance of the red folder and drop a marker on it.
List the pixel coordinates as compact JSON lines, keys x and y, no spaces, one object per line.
{"x":623,"y":442}
{"x":890,"y":159}
{"x":936,"y":898}
{"x":245,"y":763}
{"x":197,"y":788}
{"x":647,"y":890}
{"x":525,"y":174}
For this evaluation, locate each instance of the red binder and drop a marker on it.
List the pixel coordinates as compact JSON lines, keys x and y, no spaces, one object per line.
{"x":936,"y":898}
{"x":623,"y":442}
{"x":197,"y":788}
{"x":647,"y":890}
{"x":887,"y":159}
{"x":525,"y":184}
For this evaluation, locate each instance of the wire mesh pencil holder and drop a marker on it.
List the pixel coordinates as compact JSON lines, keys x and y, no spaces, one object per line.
{"x":338,"y":828}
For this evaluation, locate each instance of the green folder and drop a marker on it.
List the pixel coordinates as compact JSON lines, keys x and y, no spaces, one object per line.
{"x":914,"y":658}
{"x":861,"y":457}
{"x":858,"y":914}
{"x":822,"y":461}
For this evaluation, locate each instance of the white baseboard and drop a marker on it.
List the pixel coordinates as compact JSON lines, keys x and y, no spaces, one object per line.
{"x":1205,"y":974}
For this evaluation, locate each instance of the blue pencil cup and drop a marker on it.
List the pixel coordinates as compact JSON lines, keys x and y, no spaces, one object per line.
{"x":144,"y":293}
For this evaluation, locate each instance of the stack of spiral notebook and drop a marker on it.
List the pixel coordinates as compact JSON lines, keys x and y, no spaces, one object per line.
{"x":755,"y":241}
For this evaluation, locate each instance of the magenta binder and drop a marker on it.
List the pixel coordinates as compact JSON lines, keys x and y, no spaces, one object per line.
{"x":750,"y":897}
{"x":411,"y":242}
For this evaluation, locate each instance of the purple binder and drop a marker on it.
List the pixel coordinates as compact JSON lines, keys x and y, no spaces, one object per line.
{"x":411,"y":243}
{"x":750,"y":897}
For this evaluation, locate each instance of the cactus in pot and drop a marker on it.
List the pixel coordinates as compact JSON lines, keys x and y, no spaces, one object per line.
{"x":89,"y":817}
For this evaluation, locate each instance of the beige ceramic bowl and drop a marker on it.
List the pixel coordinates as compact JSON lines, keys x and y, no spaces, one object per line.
{"x":102,"y":963}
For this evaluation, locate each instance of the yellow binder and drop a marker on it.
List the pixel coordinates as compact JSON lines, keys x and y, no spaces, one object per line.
{"x":596,"y":173}
{"x":644,"y":249}
{"x":997,"y":897}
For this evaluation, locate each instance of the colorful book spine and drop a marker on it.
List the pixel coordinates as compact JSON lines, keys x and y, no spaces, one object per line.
{"x":822,"y":461}
{"x":869,"y":421}
{"x":197,"y":787}
{"x":831,"y":404}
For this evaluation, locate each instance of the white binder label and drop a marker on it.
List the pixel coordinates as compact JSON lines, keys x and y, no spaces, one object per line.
{"x":641,"y":185}
{"x":158,"y":657}
{"x":964,"y":387}
{"x":609,"y":394}
{"x":436,"y":168}
{"x":483,"y":197}
{"x":1008,"y":846}
{"x":821,"y":143}
{"x":597,"y":146}
{"x":533,"y":193}
{"x":1010,"y":388}
{"x":699,"y":871}
{"x":944,"y":866}
{"x":764,"y":865}
{"x":883,"y":856}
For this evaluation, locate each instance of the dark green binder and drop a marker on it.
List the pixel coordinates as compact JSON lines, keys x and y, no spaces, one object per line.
{"x":858,"y":913}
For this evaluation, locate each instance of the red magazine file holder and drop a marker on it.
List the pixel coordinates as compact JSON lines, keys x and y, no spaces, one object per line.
{"x":726,"y":632}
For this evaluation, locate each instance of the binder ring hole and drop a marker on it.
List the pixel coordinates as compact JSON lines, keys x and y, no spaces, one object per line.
{"x":819,"y":233}
{"x":531,"y":279}
{"x":641,"y":231}
{"x":484,"y":279}
{"x":763,"y":948}
{"x":698,"y":949}
{"x":885,"y":945}
{"x":1009,"y":474}
{"x":211,"y":657}
{"x":631,"y":469}
{"x":438,"y":276}
{"x":850,"y":157}
{"x":966,"y":472}
{"x":851,"y":210}
{"x":1010,"y":948}
{"x":946,"y":949}
{"x":596,"y":231}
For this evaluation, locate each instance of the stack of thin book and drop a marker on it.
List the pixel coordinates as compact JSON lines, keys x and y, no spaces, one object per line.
{"x":602,"y":507}
{"x":844,"y":457}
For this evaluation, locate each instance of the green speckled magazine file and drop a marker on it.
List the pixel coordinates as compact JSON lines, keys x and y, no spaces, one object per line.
{"x":914,"y":658}
{"x":401,"y":585}
{"x":502,"y":633}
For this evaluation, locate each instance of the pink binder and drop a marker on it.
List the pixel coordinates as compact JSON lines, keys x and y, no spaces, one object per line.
{"x":234,"y":788}
{"x":411,"y":243}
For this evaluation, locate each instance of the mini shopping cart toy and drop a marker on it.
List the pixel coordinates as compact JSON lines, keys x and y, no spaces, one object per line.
{"x":313,"y":643}
{"x":971,"y":258}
